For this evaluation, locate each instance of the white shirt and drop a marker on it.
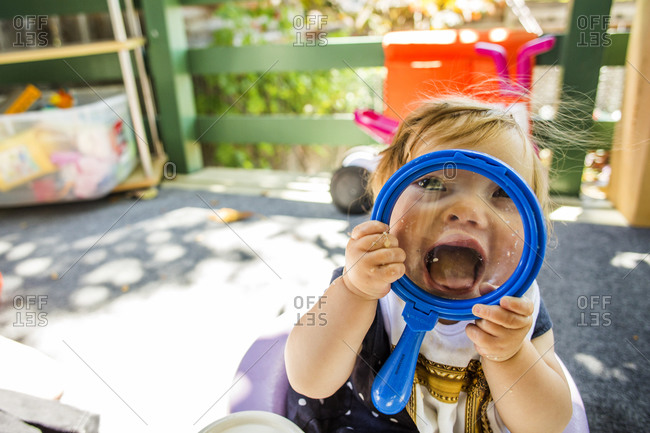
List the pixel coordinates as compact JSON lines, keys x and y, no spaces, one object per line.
{"x":447,"y":345}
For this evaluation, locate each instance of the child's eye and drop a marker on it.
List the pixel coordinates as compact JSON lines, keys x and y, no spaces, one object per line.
{"x":500,"y":193}
{"x":431,"y":184}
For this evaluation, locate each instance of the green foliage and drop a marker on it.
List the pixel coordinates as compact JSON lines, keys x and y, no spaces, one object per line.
{"x":313,"y":93}
{"x":320,"y":92}
{"x":300,"y":93}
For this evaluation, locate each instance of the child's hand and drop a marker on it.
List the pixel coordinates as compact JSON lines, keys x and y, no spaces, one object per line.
{"x":502,"y":329}
{"x":373,"y":260}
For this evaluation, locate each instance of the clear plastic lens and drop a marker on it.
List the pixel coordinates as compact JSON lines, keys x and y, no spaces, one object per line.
{"x":462,"y":234}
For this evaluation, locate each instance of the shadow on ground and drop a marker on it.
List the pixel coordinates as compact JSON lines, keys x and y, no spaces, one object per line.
{"x":159,"y":300}
{"x":595,"y":284}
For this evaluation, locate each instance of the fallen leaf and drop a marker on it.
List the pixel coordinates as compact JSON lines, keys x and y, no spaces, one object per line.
{"x":229,"y":215}
{"x":125,"y":288}
{"x":54,"y":275}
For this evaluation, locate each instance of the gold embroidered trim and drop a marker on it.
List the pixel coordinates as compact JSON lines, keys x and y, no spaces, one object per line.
{"x":411,"y":406}
{"x":445,"y":383}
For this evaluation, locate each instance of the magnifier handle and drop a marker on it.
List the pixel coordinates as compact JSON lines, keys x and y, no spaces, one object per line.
{"x":392,"y":386}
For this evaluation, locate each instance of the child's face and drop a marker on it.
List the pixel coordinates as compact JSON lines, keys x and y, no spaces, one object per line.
{"x":462,"y":235}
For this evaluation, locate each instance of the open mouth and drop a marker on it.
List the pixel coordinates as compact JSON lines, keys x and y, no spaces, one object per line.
{"x":455,"y":266}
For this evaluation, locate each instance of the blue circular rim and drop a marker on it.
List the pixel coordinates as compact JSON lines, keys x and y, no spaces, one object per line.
{"x":520,"y":193}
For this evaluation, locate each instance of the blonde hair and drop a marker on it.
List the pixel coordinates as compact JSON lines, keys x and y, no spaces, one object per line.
{"x":465,"y":122}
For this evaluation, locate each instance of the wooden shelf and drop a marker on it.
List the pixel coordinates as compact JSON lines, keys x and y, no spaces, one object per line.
{"x":139,"y":180}
{"x":77,"y":50}
{"x":149,"y":172}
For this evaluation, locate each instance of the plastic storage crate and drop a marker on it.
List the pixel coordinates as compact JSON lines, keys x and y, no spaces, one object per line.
{"x":58,"y":155}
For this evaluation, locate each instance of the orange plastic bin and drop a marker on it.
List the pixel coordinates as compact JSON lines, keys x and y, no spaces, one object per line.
{"x":425,"y":64}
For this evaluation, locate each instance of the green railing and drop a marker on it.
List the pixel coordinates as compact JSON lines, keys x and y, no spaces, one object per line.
{"x":172,"y":65}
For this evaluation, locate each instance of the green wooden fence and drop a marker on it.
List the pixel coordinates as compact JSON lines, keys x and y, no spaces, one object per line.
{"x":172,"y":64}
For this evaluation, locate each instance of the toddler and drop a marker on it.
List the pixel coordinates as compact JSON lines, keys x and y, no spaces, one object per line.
{"x":495,"y":374}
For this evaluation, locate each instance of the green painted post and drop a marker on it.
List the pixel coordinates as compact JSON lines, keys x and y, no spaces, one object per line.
{"x":581,"y":57}
{"x":172,"y":81}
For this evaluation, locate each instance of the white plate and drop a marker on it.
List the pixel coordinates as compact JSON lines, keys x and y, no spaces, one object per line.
{"x":252,"y":421}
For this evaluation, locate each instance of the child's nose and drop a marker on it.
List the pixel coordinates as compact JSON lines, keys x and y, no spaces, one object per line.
{"x":472,"y":212}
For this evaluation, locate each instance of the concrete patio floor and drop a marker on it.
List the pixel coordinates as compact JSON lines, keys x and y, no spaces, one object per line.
{"x":150,"y":304}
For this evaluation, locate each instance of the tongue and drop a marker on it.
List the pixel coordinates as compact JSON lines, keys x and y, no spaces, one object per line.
{"x":453,"y":267}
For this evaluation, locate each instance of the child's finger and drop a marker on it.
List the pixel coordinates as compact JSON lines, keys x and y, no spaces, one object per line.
{"x":501,"y":316}
{"x":391,"y":272}
{"x":368,"y":228}
{"x":374,"y":260}
{"x":375,"y":242}
{"x":479,"y":337}
{"x":385,"y":240}
{"x":489,"y":327}
{"x":522,"y":306}
{"x":387,"y":256}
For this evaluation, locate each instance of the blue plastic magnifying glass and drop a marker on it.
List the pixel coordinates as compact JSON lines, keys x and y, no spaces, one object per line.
{"x":392,"y":386}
